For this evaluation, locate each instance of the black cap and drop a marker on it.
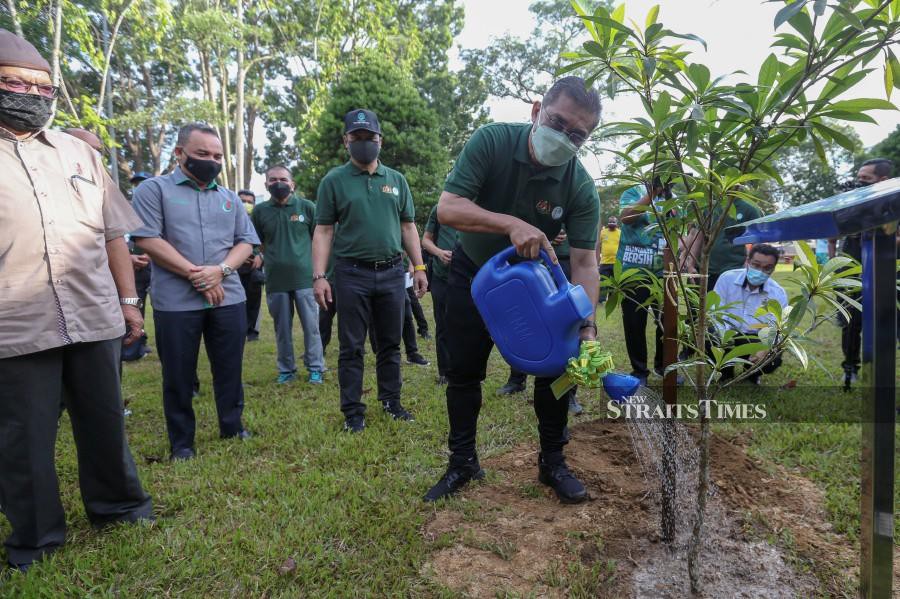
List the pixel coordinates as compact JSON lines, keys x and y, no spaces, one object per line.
{"x":140,"y":176}
{"x":361,"y":119}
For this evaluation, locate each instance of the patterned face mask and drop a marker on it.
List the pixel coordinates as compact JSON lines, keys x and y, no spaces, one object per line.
{"x":24,"y":113}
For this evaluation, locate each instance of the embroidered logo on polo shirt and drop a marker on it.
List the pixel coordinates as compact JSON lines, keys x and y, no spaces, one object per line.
{"x":297,"y":218}
{"x":389,"y":189}
{"x":227,"y":206}
{"x":557,"y":213}
{"x":542,"y":206}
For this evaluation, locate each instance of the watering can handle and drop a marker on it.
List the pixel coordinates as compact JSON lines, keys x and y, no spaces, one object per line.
{"x":555,"y":269}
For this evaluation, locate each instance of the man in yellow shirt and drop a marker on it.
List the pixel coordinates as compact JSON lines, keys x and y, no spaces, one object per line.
{"x":606,"y":251}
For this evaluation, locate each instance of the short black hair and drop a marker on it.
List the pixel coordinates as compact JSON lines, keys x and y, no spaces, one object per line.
{"x":184,"y":134}
{"x":766,"y":250}
{"x":883,"y":167}
{"x":247,"y":192}
{"x":275,"y":166}
{"x":575,"y":87}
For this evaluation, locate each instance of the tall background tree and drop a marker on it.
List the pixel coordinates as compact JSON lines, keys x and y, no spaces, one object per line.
{"x":412,"y":137}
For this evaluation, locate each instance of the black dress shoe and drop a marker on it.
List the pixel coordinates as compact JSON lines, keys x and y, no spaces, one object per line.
{"x":511,"y":389}
{"x":395,"y":410}
{"x":555,"y":474}
{"x":424,"y":335}
{"x":417,"y":359}
{"x":454,"y":479}
{"x":355,"y":424}
{"x":442,"y":380}
{"x":23,"y":568}
{"x":184,"y":454}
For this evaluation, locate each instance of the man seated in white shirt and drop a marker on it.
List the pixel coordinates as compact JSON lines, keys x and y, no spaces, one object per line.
{"x":744,"y":291}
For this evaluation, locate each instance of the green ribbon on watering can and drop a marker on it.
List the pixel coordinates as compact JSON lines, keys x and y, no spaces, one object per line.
{"x":587,"y":370}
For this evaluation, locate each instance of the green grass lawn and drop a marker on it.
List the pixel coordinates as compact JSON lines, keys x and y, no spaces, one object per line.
{"x":302,"y":509}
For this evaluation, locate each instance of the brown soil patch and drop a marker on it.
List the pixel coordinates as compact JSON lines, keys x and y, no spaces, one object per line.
{"x":511,"y":536}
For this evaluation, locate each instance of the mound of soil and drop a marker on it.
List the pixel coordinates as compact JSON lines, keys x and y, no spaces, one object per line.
{"x":510,"y":535}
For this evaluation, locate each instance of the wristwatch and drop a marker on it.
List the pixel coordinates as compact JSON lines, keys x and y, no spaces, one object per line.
{"x":226,"y":270}
{"x":131,"y":301}
{"x":317,"y":277}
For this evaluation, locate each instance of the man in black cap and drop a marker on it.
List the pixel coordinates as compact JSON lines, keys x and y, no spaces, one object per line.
{"x":374,"y":209}
{"x":68,"y":296}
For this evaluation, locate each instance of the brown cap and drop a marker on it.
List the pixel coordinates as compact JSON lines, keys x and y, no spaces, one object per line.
{"x":18,"y":52}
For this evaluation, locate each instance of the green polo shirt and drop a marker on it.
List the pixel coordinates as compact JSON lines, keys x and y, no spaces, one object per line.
{"x":447,"y":239}
{"x":724,"y":254}
{"x":495,"y":171}
{"x":641,"y":243}
{"x":369,"y":209}
{"x":286,"y":233}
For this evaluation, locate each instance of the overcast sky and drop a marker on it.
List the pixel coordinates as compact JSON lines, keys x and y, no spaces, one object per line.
{"x":737,"y":32}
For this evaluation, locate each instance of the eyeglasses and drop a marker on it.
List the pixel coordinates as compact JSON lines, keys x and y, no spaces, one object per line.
{"x":766,"y":268}
{"x":16,"y":85}
{"x":576,"y":137}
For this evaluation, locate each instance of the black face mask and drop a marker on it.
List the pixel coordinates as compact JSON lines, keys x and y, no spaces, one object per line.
{"x":203,"y":170}
{"x":24,"y":112}
{"x":280,"y":190}
{"x":364,"y":151}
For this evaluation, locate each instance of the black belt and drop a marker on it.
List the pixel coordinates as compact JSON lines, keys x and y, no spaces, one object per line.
{"x":377,"y":265}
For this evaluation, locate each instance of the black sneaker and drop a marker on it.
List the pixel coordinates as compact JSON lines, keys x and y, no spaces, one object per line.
{"x":511,"y":389}
{"x":354,"y":424}
{"x":454,"y":479}
{"x":424,"y":334}
{"x":442,"y":380}
{"x":556,"y":475}
{"x":396,"y":411}
{"x":184,"y":454}
{"x":417,"y":359}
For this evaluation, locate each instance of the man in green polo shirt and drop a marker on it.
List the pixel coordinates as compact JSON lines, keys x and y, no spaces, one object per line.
{"x":517,"y":184}
{"x":373,"y":207}
{"x":285,"y":225}
{"x":439,"y":241}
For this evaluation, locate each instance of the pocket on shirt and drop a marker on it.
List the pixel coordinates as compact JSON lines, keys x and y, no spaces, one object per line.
{"x":87,"y":203}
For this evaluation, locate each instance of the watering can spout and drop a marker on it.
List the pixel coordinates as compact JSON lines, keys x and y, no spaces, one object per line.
{"x":620,"y":386}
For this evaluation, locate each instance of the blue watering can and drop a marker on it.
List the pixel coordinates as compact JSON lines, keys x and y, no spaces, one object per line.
{"x":532,"y":313}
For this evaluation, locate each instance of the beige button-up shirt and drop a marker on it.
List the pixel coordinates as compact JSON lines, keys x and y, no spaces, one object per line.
{"x":58,"y":208}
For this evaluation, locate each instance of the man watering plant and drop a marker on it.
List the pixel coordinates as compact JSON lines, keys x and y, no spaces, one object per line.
{"x":517,"y":184}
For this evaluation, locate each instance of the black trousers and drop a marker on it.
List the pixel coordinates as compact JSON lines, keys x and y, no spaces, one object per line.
{"x":31,"y":388}
{"x":439,"y":291}
{"x":851,"y":340}
{"x":178,"y":335}
{"x":369,"y":299}
{"x":326,"y":319}
{"x":606,"y":270}
{"x":253,"y":288}
{"x":409,"y":328}
{"x":634,"y":322}
{"x":417,"y":311}
{"x":136,"y":350}
{"x":469,"y":345}
{"x":744,"y":339}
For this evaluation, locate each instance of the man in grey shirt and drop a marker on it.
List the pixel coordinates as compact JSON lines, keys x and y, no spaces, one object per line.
{"x":197,"y":233}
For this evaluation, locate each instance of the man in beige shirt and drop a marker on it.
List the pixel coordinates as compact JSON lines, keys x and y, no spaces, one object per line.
{"x":66,"y":296}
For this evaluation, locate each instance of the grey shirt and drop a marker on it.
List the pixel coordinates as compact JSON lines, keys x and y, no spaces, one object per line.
{"x":201,"y":224}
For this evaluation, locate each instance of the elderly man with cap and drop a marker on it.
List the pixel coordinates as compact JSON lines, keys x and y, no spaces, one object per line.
{"x":68,"y":296}
{"x":198,"y":234}
{"x":374,"y":209}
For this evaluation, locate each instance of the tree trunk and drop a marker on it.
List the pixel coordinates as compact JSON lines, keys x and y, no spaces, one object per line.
{"x":703,"y":445}
{"x":107,"y":58}
{"x":56,"y":74}
{"x":14,"y":16}
{"x":226,"y":129}
{"x":248,"y":153}
{"x":239,"y":103}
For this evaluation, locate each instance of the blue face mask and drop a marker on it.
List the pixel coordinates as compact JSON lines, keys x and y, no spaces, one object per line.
{"x":755,"y":277}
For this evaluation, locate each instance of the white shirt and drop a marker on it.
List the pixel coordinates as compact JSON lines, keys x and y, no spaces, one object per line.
{"x":745,"y":302}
